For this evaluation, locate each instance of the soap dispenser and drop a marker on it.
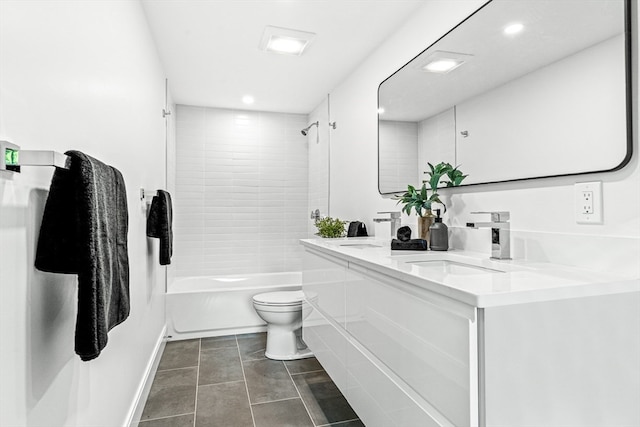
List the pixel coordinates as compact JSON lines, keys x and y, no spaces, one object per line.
{"x":438,"y":234}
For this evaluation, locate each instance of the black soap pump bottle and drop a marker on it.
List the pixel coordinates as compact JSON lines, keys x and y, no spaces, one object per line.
{"x":438,"y":234}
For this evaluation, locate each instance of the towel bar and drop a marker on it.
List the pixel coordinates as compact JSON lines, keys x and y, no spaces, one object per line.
{"x":147,"y":194}
{"x":42,"y":158}
{"x":12,"y":157}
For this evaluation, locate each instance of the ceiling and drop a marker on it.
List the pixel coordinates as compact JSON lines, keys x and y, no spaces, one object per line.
{"x":209,"y":48}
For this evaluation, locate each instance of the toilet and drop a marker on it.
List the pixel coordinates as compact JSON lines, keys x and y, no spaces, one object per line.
{"x":283,"y":313}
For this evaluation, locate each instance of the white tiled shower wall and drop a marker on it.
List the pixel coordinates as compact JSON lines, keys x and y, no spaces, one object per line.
{"x":240,"y":204}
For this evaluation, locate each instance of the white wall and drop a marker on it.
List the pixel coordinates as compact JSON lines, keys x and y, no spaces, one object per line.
{"x":241,"y":191}
{"x":318,"y":143}
{"x":436,"y":141}
{"x":542,"y":211}
{"x":171,"y":167}
{"x":85,"y":76}
{"x":399,"y":148}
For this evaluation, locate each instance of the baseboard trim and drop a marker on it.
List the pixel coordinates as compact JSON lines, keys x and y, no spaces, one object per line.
{"x":179,"y":336}
{"x":135,"y":412}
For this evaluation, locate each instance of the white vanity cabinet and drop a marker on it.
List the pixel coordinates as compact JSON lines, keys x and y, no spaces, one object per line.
{"x":404,"y":354}
{"x":401,"y":355}
{"x":570,"y":362}
{"x":323,"y":316}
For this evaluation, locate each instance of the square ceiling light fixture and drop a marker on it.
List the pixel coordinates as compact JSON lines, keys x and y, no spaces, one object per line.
{"x":285,"y":40}
{"x":442,"y":62}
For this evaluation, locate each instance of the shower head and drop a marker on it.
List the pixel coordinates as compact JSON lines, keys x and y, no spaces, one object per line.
{"x":306,"y":130}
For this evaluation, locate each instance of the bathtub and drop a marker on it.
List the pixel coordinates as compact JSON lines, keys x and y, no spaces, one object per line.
{"x":209,"y":306}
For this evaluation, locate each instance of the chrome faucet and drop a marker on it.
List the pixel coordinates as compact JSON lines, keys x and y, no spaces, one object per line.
{"x":500,"y":235}
{"x":394,"y":219}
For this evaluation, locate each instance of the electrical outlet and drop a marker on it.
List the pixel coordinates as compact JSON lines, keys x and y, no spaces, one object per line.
{"x":588,"y":202}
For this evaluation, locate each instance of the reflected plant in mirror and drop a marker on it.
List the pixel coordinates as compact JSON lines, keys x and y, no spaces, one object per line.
{"x":455,"y":176}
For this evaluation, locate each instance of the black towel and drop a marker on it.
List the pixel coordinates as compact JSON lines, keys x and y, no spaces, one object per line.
{"x":357,"y":229}
{"x":84,"y":232}
{"x":159,"y":224}
{"x":409,"y":245}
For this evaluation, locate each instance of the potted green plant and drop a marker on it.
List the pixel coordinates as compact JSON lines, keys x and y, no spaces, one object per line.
{"x":420,"y":200}
{"x":330,"y":227}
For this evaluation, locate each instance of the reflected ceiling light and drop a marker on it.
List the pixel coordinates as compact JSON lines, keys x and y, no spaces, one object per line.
{"x":442,"y":62}
{"x":248,"y":99}
{"x":285,"y":40}
{"x":380,"y":110}
{"x":287,"y":45}
{"x":514,"y":28}
{"x":442,"y":65}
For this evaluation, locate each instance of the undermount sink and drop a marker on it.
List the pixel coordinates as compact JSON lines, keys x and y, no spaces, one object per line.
{"x":360,"y":245}
{"x":452,"y":267}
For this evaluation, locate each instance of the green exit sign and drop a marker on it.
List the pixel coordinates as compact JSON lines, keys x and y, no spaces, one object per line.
{"x":11,"y":157}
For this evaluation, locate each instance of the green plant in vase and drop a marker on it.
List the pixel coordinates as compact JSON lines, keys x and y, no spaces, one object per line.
{"x":421,"y":201}
{"x":330,"y":227}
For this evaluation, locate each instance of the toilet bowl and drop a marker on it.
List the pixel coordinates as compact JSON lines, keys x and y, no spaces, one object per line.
{"x":283,"y":313}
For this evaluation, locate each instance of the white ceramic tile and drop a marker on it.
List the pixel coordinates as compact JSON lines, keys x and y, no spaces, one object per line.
{"x":190,"y":174}
{"x":218,"y":205}
{"x":187,"y":264}
{"x":241,"y":177}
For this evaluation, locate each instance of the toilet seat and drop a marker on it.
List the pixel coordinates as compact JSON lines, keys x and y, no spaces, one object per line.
{"x":279,"y":298}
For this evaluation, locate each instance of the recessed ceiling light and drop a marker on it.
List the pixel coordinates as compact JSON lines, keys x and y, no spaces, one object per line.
{"x":281,"y":44}
{"x":248,"y":99}
{"x":442,"y":65}
{"x":442,"y":62}
{"x":380,"y":110}
{"x":514,"y":28}
{"x":285,"y":40}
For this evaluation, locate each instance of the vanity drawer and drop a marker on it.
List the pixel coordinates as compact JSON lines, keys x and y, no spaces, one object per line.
{"x":428,"y":346}
{"x":377,"y":398}
{"x":323,"y":282}
{"x":328,"y":344}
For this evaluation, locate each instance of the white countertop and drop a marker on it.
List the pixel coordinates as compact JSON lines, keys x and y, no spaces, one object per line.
{"x":479,"y":281}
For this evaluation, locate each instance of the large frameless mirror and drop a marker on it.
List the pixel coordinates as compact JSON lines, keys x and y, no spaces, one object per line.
{"x":520,"y":89}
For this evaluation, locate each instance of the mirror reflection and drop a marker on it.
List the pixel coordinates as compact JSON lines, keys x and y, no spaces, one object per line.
{"x":520,"y":89}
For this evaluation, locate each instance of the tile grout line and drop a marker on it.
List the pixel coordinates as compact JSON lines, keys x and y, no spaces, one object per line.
{"x":307,"y":372}
{"x":168,"y":416}
{"x":195,"y":404}
{"x":246,"y":386}
{"x":339,"y":422}
{"x":299,"y":395}
{"x":224,"y":382}
{"x":275,"y":401}
{"x":177,"y":369}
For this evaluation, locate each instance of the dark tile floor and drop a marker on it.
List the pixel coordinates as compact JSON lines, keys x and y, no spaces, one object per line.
{"x":227,"y":381}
